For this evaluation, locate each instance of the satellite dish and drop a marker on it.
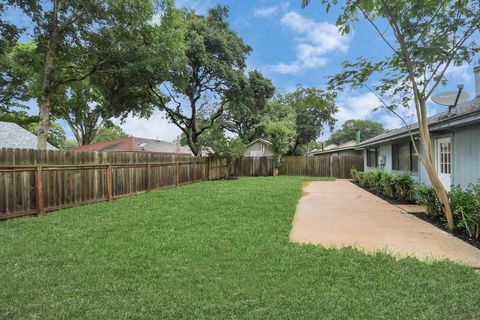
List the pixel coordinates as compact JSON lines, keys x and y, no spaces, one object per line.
{"x":449,"y":98}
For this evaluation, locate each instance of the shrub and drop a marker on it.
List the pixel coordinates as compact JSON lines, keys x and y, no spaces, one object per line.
{"x":426,"y":196}
{"x":403,"y":186}
{"x":399,"y":186}
{"x":354,"y":174}
{"x":387,"y":184}
{"x":466,"y":208}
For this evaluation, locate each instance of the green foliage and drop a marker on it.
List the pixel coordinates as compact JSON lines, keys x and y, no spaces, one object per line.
{"x":280,"y":133}
{"x":368,"y":129}
{"x":206,"y":79}
{"x":396,"y":185}
{"x":465,"y":204}
{"x":466,"y":208}
{"x":425,"y":195}
{"x":212,"y":250}
{"x":248,"y":111}
{"x":109,"y":132}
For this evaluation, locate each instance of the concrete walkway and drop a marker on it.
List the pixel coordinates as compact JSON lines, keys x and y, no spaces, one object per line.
{"x":340,"y":214}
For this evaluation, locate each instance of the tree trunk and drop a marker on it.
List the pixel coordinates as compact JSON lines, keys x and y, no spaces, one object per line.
{"x":45,"y":105}
{"x":45,"y":99}
{"x":430,"y":167}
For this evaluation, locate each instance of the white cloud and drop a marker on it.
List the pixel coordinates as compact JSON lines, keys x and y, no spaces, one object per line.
{"x":314,"y":41}
{"x":270,"y":11}
{"x":461,"y":73}
{"x":362,"y":106}
{"x":156,"y":127}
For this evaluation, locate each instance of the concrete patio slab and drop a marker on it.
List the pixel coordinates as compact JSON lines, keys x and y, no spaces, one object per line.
{"x":340,"y":214}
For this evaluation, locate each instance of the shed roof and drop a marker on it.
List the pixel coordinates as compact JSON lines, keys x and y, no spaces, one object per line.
{"x":259,"y":140}
{"x":135,"y":144}
{"x":464,"y":114}
{"x":14,"y":136}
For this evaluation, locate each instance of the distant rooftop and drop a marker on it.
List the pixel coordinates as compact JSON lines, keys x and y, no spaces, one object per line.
{"x":135,"y":144}
{"x":14,"y":136}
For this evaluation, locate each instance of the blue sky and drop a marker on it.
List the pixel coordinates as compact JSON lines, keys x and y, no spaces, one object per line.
{"x":295,"y":46}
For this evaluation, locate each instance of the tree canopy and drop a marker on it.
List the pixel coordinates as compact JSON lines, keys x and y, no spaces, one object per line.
{"x":207,"y":79}
{"x":247,"y":113}
{"x":368,"y":129}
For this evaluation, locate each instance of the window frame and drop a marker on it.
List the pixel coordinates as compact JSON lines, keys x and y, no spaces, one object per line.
{"x":375,"y":159}
{"x":412,"y":157}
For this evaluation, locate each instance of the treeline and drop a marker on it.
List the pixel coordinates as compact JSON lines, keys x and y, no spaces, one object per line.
{"x":88,"y":62}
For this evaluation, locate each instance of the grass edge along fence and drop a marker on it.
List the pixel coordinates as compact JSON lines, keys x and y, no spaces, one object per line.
{"x":37,"y":181}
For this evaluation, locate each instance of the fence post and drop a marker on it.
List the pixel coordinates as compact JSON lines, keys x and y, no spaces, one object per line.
{"x":194,"y":170}
{"x":209,"y":168}
{"x":331,"y":166}
{"x":39,"y":190}
{"x":109,"y":183}
{"x":149,"y":181}
{"x":177,"y":174}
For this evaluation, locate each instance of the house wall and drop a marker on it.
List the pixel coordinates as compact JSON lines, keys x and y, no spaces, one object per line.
{"x":255,"y":150}
{"x":465,"y":157}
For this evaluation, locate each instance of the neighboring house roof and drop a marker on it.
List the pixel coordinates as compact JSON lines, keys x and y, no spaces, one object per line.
{"x":464,"y":114}
{"x":135,"y":144}
{"x":352,"y":144}
{"x":268,"y":143}
{"x":14,"y":136}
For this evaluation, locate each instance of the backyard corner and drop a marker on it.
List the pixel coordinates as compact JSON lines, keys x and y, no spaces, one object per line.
{"x":223,"y":251}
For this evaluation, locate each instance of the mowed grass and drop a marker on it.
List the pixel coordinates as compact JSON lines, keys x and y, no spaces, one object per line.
{"x":211,"y":250}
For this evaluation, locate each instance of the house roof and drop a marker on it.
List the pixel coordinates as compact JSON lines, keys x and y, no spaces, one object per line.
{"x":268,"y":143}
{"x":464,"y":114}
{"x":352,"y":144}
{"x":14,"y":136}
{"x":135,"y":144}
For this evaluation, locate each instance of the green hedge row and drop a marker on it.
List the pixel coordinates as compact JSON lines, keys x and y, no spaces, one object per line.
{"x":399,"y":186}
{"x":465,"y":203}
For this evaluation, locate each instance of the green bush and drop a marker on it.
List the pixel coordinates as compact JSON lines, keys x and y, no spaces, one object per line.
{"x":465,"y":205}
{"x":426,"y":196}
{"x":396,"y":185}
{"x":403,"y":186}
{"x":354,"y":174}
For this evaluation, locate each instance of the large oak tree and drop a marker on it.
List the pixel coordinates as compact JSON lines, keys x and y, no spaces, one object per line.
{"x":209,"y":77}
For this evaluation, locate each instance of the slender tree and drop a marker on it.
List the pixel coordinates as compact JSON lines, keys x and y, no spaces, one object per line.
{"x":424,"y":39}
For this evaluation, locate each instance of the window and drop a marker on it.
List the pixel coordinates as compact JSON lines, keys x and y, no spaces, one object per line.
{"x":404,"y":157}
{"x":372,"y":158}
{"x":445,"y":157}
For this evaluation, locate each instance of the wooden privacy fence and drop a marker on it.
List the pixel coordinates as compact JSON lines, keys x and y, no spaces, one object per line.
{"x":320,"y":166}
{"x":33,"y":181}
{"x":252,"y":166}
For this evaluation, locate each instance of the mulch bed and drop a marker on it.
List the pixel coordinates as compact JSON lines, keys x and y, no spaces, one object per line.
{"x":460,"y":234}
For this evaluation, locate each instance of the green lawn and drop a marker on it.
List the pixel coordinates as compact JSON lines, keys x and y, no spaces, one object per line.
{"x":215,"y":249}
